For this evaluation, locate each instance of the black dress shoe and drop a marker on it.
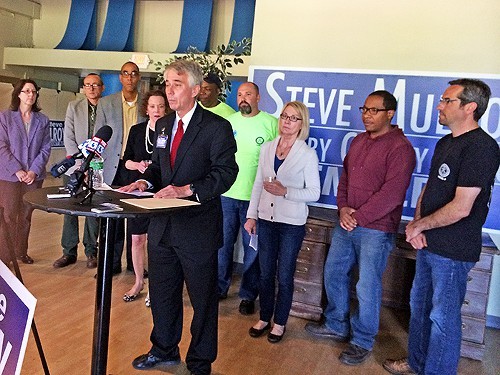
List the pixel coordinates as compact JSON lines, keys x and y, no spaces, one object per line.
{"x":254,"y":332}
{"x":354,"y":355}
{"x":91,"y":261}
{"x":321,"y":330}
{"x":147,"y":361}
{"x":247,"y":307}
{"x":273,"y":339}
{"x":26,"y":259}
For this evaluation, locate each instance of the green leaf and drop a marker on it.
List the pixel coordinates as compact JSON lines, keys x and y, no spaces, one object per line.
{"x":215,"y":61}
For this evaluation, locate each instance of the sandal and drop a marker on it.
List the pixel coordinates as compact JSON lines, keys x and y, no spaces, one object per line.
{"x":130,"y":297}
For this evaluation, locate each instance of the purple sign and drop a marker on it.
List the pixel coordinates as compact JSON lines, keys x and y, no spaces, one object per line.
{"x":333,"y":98}
{"x":17,"y":307}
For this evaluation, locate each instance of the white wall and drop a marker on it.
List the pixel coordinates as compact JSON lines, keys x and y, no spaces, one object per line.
{"x":458,"y":36}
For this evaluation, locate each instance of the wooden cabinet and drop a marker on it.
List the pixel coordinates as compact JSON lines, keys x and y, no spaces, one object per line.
{"x":474,"y":306}
{"x":309,"y":297}
{"x":398,"y":276}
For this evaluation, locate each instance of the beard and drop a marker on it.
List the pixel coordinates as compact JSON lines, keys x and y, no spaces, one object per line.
{"x":442,"y":120}
{"x":245,"y":108}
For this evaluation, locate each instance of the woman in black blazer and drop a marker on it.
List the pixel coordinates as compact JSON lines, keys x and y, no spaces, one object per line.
{"x":137,"y":157}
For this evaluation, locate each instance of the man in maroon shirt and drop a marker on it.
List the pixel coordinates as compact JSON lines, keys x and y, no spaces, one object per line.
{"x":371,"y":192}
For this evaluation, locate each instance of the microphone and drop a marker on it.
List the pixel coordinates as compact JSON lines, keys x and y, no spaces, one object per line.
{"x":94,"y":146}
{"x":64,"y":165}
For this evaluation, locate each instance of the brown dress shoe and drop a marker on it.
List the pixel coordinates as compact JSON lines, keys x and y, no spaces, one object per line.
{"x":398,"y":367}
{"x":64,"y":261}
{"x":91,"y":261}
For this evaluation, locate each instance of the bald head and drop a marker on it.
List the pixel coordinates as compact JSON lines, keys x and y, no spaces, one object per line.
{"x":248,"y":99}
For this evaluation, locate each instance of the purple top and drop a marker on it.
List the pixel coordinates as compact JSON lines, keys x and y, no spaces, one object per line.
{"x":21,"y":151}
{"x":376,"y":174}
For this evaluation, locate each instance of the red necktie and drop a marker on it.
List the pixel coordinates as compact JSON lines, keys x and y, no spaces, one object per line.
{"x":176,"y":142}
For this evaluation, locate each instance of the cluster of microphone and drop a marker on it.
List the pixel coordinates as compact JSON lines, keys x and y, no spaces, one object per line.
{"x":88,"y":150}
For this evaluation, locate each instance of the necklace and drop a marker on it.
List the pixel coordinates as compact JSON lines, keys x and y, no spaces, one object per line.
{"x":147,"y":141}
{"x":281,"y":151}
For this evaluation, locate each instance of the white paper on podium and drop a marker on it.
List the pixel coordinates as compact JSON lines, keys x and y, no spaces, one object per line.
{"x":136,"y":193}
{"x":155,"y":203}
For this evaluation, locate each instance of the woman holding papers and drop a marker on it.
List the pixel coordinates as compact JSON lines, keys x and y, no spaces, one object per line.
{"x":137,"y":157}
{"x":287,"y":178}
{"x":24,"y":152}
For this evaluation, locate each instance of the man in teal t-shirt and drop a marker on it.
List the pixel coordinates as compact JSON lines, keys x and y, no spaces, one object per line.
{"x":209,"y":96}
{"x":251,"y":128}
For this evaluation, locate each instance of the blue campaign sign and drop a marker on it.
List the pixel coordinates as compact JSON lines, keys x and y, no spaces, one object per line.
{"x":17,"y":307}
{"x":333,"y":99}
{"x":56,"y":133}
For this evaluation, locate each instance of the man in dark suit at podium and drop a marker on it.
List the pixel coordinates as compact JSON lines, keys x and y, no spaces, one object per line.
{"x":193,"y":159}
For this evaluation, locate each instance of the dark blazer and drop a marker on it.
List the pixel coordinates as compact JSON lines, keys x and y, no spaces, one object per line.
{"x":205,"y":158}
{"x":136,"y":148}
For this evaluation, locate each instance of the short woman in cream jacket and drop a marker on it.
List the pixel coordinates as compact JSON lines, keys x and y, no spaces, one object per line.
{"x":287,"y":178}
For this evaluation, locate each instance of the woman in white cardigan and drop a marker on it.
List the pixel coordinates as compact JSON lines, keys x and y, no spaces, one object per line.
{"x":287,"y":178}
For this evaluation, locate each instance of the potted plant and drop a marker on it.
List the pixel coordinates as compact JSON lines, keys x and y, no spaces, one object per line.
{"x":218,"y":61}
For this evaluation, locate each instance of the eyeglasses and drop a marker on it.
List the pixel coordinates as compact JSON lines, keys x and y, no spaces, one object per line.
{"x":291,"y":118}
{"x":132,"y":74}
{"x":93,"y":85}
{"x":27,"y":92}
{"x":373,"y":111}
{"x":446,"y":101}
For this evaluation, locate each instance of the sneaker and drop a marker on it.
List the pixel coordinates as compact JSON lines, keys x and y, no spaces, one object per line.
{"x":323,"y":331}
{"x":354,"y":355}
{"x":247,"y":307}
{"x":398,"y":366}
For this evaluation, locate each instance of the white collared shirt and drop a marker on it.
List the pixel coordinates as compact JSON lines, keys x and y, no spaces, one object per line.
{"x":185,"y":122}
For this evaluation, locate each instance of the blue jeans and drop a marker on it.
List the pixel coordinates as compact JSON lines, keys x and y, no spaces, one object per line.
{"x":369,"y":249}
{"x":436,"y":299}
{"x":279,"y":246}
{"x":234,"y":217}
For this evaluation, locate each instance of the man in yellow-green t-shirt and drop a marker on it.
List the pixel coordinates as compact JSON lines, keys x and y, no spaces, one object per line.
{"x":209,"y":96}
{"x":251,"y":128}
